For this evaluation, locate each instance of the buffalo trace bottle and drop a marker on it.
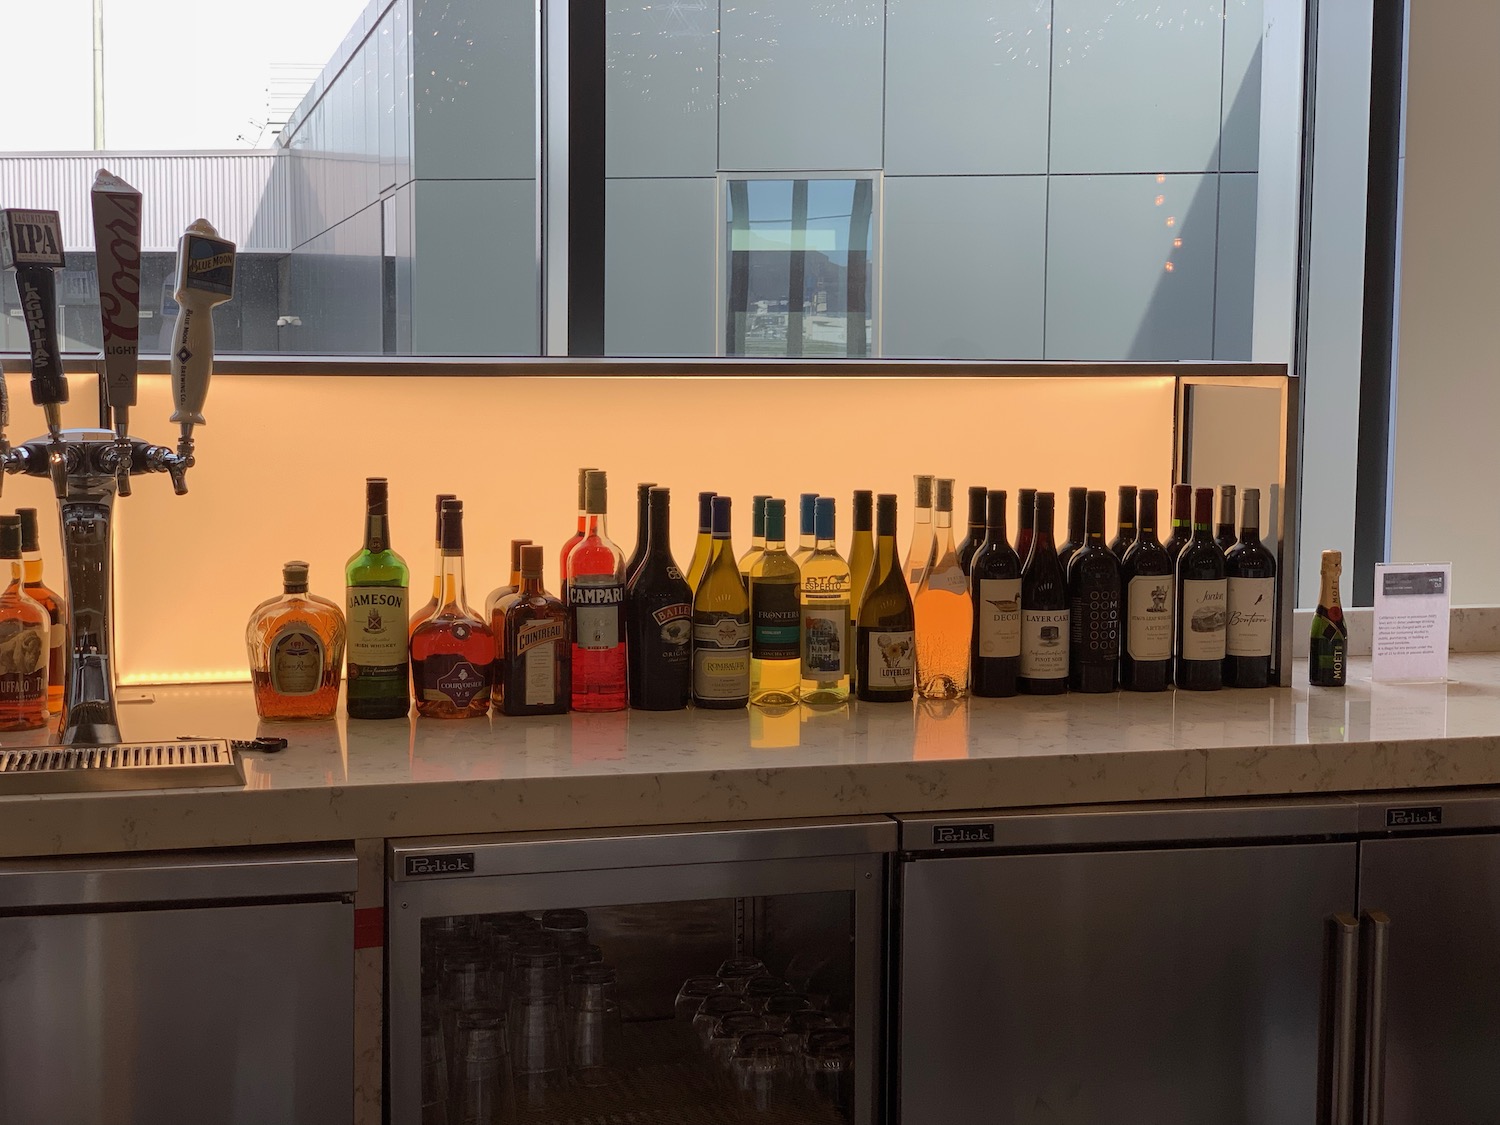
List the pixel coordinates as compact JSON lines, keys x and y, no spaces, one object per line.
{"x":1125,"y":530}
{"x":757,"y":536}
{"x":596,"y":595}
{"x":659,"y":619}
{"x":1045,"y":626}
{"x":1202,"y":603}
{"x":1182,"y":520}
{"x":861,"y":561}
{"x":642,"y":529}
{"x":538,"y":663}
{"x":296,"y":647}
{"x":1078,"y":503}
{"x":1327,"y":656}
{"x":1094,"y":607}
{"x":52,"y":602}
{"x":375,"y":600}
{"x":919,"y":552}
{"x":1224,"y":531}
{"x":453,"y":651}
{"x":721,"y":623}
{"x":420,"y":615}
{"x":995,"y":586}
{"x":1251,"y":625}
{"x":825,"y":615}
{"x":1148,"y":580}
{"x":25,"y":630}
{"x":775,"y":618}
{"x":978,"y":495}
{"x":885,"y":640}
{"x":944,"y":613}
{"x":704,"y":543}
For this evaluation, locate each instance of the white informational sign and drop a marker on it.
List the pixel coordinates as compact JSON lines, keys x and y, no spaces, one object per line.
{"x":1410,"y":642}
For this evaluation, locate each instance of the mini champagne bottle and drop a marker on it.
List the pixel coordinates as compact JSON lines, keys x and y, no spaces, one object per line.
{"x":1327,"y":654}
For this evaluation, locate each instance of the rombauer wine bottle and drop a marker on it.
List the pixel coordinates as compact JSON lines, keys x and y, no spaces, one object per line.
{"x":1251,"y":627}
{"x":721,"y":623}
{"x":1182,"y":520}
{"x":1125,"y":526}
{"x":1045,"y":625}
{"x":1078,"y":502}
{"x":1327,"y":656}
{"x":995,"y":587}
{"x":1202,"y":603}
{"x":659,"y":619}
{"x":885,"y":639}
{"x":1094,"y":608}
{"x":975,"y":534}
{"x":1148,"y":577}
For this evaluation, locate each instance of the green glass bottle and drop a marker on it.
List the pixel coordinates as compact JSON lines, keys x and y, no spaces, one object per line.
{"x":721,"y":622}
{"x":825,"y":615}
{"x":775,"y":618}
{"x":375,"y":602}
{"x":1327,"y":654}
{"x":885,"y":641}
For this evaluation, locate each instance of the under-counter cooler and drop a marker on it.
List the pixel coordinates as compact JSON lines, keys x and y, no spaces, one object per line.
{"x":649,"y":976}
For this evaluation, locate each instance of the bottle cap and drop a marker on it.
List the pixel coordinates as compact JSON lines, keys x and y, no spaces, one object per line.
{"x":1332,"y":560}
{"x":978,"y":502}
{"x":1147,"y":507}
{"x":924,"y":490}
{"x":583,"y":480}
{"x":595,"y":493}
{"x":808,"y":513}
{"x":1250,"y":509}
{"x":758,"y":516}
{"x":451,"y":524}
{"x":721,"y":506}
{"x":661,"y":500}
{"x":29,"y":542}
{"x":706,"y":510}
{"x":825,"y":525}
{"x":294,"y":576}
{"x":515,"y":552}
{"x":643,"y":490}
{"x":1182,"y":499}
{"x":1203,"y":505}
{"x":864,"y":506}
{"x":1127,"y":492}
{"x":531,"y":561}
{"x":885,"y":514}
{"x":10,"y":537}
{"x":377,"y":495}
{"x":1094,"y":517}
{"x":1044,"y":503}
{"x":440,"y":498}
{"x":775,"y":516}
{"x":995,"y":503}
{"x":944,"y":495}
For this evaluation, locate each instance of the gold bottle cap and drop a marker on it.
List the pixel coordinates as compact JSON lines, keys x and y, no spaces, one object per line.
{"x":1333,"y":560}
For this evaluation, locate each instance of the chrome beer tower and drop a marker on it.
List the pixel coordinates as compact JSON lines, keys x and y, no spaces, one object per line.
{"x":88,"y":467}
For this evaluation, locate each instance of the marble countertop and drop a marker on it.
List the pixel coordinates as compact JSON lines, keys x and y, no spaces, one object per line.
{"x":358,"y":780}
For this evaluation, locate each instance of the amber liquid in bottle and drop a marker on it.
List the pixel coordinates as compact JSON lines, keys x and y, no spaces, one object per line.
{"x":596,"y":598}
{"x":25,"y":629}
{"x":52,"y":602}
{"x":944,"y":613}
{"x":538,"y":661}
{"x":424,"y":612}
{"x":296,"y":648}
{"x":453,"y":651}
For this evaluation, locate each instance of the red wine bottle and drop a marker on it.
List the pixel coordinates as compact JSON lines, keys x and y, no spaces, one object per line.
{"x":1094,"y":608}
{"x":1202,"y":603}
{"x":1045,"y":630}
{"x":1251,"y":624}
{"x":1147,"y":579}
{"x":995,"y":590}
{"x":1078,"y":500}
{"x":975,"y":536}
{"x":1182,"y":520}
{"x":1125,"y":525}
{"x":1224,"y":534}
{"x":1025,"y":515}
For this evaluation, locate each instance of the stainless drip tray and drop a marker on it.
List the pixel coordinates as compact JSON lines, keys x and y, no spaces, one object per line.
{"x":120,"y":766}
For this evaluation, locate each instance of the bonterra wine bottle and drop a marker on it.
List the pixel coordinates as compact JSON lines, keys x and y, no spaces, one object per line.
{"x":757,"y":536}
{"x":1182,"y":520}
{"x":1224,"y":534}
{"x":596,"y":594}
{"x":920,"y":551}
{"x":375,"y":599}
{"x":1094,"y":607}
{"x":575,"y":539}
{"x":703,"y":544}
{"x":1046,"y":628}
{"x":944,"y":612}
{"x":1202,"y":603}
{"x":1251,"y":628}
{"x":420,"y":615}
{"x":538,"y":662}
{"x":659,"y":620}
{"x":825,"y":615}
{"x":1078,"y":502}
{"x":1327,"y":653}
{"x":453,"y":651}
{"x":995,"y":587}
{"x":775,"y":618}
{"x":978,"y":495}
{"x":1148,"y":579}
{"x":885,"y":639}
{"x":642,"y":529}
{"x":721,"y":623}
{"x":1125,"y":529}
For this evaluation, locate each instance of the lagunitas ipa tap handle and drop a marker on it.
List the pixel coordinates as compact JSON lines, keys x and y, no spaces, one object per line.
{"x":31,"y":244}
{"x":205,"y":278}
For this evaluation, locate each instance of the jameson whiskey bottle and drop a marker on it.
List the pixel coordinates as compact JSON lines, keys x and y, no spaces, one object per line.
{"x":375,"y":599}
{"x":1327,"y":659}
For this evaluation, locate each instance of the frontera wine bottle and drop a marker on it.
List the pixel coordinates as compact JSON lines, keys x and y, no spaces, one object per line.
{"x":1148,"y":578}
{"x":995,"y":587}
{"x":1125,"y":526}
{"x":1327,"y":658}
{"x":1251,"y":570}
{"x":1046,"y":628}
{"x":1224,"y":533}
{"x":721,"y":623}
{"x":975,"y":534}
{"x":1094,"y":608}
{"x":775,"y":618}
{"x":1182,"y":520}
{"x":885,"y":639}
{"x":1078,"y":500}
{"x":1202,"y":603}
{"x":1025,"y":519}
{"x":659,"y":619}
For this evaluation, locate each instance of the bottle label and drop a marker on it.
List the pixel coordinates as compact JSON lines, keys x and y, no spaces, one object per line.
{"x":1204,"y":606}
{"x":532,"y":634}
{"x":296,"y":660}
{"x":1044,"y":643}
{"x":721,"y":656}
{"x":377,"y":619}
{"x":776,"y":621}
{"x":454,"y":678}
{"x":892,"y":663}
{"x":676,"y":624}
{"x":1252,"y":603}
{"x":825,"y":635}
{"x":1095,"y":619}
{"x":541,"y":674}
{"x":999,"y":617}
{"x":596,"y":612}
{"x":1151,"y":608}
{"x":950,"y":579}
{"x":23,"y":662}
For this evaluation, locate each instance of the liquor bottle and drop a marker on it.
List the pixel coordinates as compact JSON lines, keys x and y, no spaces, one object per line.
{"x":430,"y":608}
{"x":721,"y":624}
{"x":920,"y":551}
{"x":995,"y":587}
{"x":825,"y":596}
{"x":1125,"y":525}
{"x":1046,"y":628}
{"x":1251,"y":572}
{"x":578,"y":536}
{"x":977,"y":507}
{"x":52,"y":602}
{"x":757,"y":536}
{"x":513,"y":583}
{"x":861,"y":561}
{"x":642,"y":529}
{"x":1327,"y":656}
{"x":375,"y":600}
{"x":596,"y":592}
{"x":296,"y":648}
{"x":453,"y":651}
{"x":775,"y":618}
{"x":1224,"y":534}
{"x":1094,"y":607}
{"x":703,"y":545}
{"x":807,"y":527}
{"x":1078,"y":503}
{"x":1202,"y":601}
{"x":25,"y":630}
{"x":885,"y":640}
{"x":659,"y":619}
{"x":1026,"y":522}
{"x":1148,"y":578}
{"x":944,"y":613}
{"x":1182,"y":520}
{"x":538,"y":661}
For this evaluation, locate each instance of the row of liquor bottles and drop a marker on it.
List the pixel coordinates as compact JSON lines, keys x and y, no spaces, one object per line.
{"x":33,"y":630}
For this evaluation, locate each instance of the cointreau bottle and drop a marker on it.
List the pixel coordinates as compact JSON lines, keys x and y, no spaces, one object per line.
{"x":453,"y":651}
{"x":538,"y":662}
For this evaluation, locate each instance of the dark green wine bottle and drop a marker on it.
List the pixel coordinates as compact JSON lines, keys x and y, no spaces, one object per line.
{"x":376,"y":586}
{"x":1327,"y":656}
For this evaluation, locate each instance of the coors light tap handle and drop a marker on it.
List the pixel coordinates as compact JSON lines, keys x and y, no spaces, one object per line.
{"x":31,"y":244}
{"x":205,"y":278}
{"x":117,"y":242}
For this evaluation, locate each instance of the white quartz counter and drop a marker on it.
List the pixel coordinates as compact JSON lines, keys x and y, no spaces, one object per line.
{"x":367,"y":780}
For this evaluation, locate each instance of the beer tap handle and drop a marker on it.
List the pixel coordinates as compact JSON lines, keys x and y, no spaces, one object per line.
{"x":31,"y":244}
{"x":117,"y":243}
{"x":205,"y":278}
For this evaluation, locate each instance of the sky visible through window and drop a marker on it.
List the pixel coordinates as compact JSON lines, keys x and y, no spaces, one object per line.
{"x":178,"y":74}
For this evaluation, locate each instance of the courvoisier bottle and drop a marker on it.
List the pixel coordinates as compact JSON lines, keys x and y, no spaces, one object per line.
{"x":659,"y":617}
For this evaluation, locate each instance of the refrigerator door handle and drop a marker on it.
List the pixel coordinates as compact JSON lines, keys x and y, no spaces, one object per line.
{"x":1336,"y":1072}
{"x":1375,"y":931}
